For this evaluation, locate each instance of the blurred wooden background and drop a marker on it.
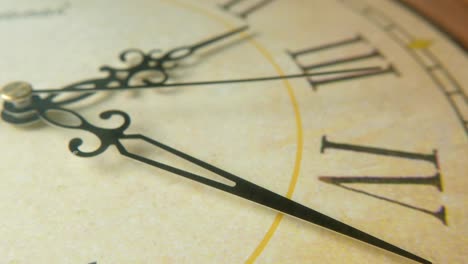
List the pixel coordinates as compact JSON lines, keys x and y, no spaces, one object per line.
{"x":450,"y":15}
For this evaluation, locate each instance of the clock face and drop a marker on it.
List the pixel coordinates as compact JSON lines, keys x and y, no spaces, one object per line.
{"x":380,"y":144}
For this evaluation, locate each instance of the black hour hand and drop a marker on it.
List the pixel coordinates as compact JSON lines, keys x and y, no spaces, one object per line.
{"x":147,"y":69}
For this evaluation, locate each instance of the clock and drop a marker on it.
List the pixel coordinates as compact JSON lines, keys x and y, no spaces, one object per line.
{"x":233,"y":131}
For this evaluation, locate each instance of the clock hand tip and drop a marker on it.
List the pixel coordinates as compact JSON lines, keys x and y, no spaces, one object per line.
{"x":325,"y":179}
{"x":424,"y":261}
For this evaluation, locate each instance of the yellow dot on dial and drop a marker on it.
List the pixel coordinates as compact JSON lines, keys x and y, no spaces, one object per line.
{"x":420,"y":44}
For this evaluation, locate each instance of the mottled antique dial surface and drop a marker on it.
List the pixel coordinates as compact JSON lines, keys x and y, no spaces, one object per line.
{"x":380,"y":145}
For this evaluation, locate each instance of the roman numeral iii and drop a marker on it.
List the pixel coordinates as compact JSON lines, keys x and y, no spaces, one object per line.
{"x":313,"y":59}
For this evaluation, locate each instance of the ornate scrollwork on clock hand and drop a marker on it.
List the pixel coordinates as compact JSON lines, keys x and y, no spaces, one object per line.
{"x":147,"y":63}
{"x":107,"y":136}
{"x":147,"y":68}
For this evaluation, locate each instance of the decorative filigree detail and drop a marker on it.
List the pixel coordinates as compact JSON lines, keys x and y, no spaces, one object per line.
{"x":107,"y":137}
{"x":148,"y":63}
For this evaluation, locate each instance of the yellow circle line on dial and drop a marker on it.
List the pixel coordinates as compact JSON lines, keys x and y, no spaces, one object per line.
{"x":299,"y":131}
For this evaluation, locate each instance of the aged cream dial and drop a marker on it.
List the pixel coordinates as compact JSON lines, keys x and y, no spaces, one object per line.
{"x":354,"y":108}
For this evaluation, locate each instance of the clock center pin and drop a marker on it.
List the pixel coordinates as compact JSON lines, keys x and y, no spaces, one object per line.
{"x":18,"y":93}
